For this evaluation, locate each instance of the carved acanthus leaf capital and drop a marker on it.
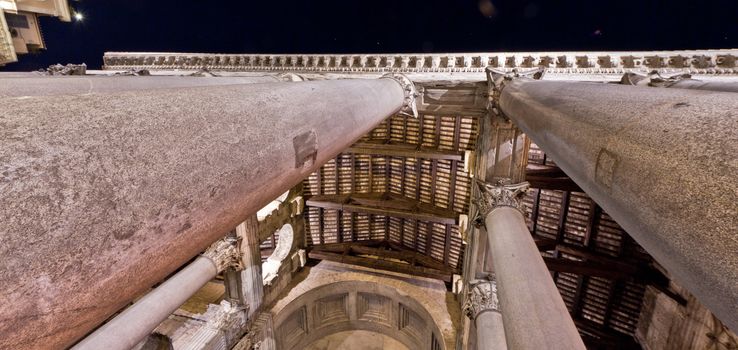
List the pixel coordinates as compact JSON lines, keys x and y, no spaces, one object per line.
{"x":224,"y":254}
{"x":481,"y":296}
{"x":409,"y":107}
{"x":501,"y":194}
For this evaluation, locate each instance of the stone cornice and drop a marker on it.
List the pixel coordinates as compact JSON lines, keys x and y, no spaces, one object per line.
{"x":687,"y":61}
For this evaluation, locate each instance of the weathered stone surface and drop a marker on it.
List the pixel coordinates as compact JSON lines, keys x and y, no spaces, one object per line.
{"x":104,"y":195}
{"x":19,"y":86}
{"x":662,"y":162}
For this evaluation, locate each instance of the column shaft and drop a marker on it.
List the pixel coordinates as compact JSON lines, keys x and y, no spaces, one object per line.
{"x":104,"y":195}
{"x":534,"y":314}
{"x":483,"y":308}
{"x":138,"y":320}
{"x":490,"y":331}
{"x":662,"y":162}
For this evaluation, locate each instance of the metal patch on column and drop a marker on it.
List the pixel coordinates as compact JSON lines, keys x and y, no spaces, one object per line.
{"x":605,"y":169}
{"x":306,"y":148}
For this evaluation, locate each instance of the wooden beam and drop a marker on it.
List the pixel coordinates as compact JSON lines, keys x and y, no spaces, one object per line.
{"x":386,"y":228}
{"x":562,"y":217}
{"x":321,"y":225}
{"x":320,"y":180}
{"x":417,"y":178}
{"x":602,"y":338}
{"x":549,"y":177}
{"x":582,"y":282}
{"x":421,"y":123}
{"x":339,"y":227}
{"x":353,"y":227}
{"x":452,"y":188}
{"x":338,"y":170}
{"x":588,"y":268}
{"x":553,"y":183}
{"x":534,"y":214}
{"x":592,"y":220}
{"x":402,"y":231}
{"x":385,"y":204}
{"x":341,"y":247}
{"x":447,"y":245}
{"x":540,"y":169}
{"x":544,"y":244}
{"x":434,"y":172}
{"x":406,"y":150}
{"x":457,"y":133}
{"x":381,"y":265}
{"x":428,"y":238}
{"x":396,"y":252}
{"x":353,"y":173}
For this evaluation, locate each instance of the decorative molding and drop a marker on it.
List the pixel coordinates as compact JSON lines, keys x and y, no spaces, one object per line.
{"x":501,"y":194}
{"x":686,"y":61}
{"x":481,"y":297}
{"x":224,"y":254}
{"x":409,"y":106}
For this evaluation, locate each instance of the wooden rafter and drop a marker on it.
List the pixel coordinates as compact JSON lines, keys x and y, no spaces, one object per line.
{"x":383,"y":255}
{"x":597,"y":265}
{"x":550,"y":177}
{"x":598,"y":337}
{"x":407,"y":150}
{"x":384,"y":204}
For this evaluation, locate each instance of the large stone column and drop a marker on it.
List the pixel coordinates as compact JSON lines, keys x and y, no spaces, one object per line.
{"x":483,"y":307}
{"x":138,"y":320}
{"x":105,"y":195}
{"x":533,"y":312}
{"x":662,"y":162}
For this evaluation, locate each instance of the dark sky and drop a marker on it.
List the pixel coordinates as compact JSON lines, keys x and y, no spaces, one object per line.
{"x":313,"y":26}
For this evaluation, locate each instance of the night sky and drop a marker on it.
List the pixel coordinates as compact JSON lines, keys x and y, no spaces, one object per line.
{"x":396,"y":26}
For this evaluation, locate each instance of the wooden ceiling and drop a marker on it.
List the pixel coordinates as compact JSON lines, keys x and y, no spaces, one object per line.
{"x":396,"y":199}
{"x":401,"y":188}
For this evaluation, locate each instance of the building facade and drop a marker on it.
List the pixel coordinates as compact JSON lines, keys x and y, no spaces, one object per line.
{"x":20,"y":32}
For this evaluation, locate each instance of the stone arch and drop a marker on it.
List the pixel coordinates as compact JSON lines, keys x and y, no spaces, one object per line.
{"x":355,"y":305}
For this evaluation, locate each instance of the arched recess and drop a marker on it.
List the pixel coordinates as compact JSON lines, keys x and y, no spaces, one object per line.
{"x":355,"y":305}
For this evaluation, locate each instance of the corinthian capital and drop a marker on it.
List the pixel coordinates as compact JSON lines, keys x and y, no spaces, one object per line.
{"x":224,"y":253}
{"x":481,"y":296}
{"x":501,"y":194}
{"x":409,"y":107}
